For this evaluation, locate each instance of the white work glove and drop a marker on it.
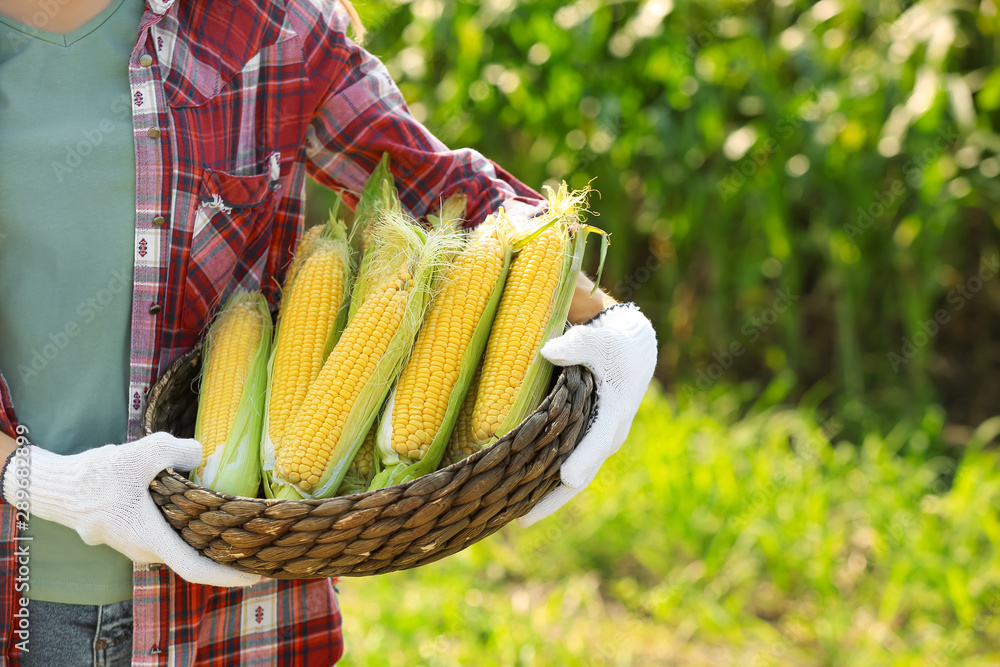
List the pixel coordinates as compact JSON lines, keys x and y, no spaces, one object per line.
{"x":103,"y":494}
{"x":619,"y":346}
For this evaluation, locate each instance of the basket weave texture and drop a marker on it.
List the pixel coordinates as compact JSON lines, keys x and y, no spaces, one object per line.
{"x":395,"y":528}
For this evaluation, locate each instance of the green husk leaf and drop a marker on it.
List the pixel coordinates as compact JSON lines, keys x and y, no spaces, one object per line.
{"x":351,"y":485}
{"x":234,"y":467}
{"x":397,"y":241}
{"x":378,"y":196}
{"x":463,"y":440}
{"x":267,"y":446}
{"x":340,"y":236}
{"x":338,"y":205}
{"x":450,"y":212}
{"x":286,"y":492}
{"x":605,"y":242}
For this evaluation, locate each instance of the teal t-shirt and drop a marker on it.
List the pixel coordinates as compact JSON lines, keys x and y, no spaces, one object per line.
{"x":67,"y":221}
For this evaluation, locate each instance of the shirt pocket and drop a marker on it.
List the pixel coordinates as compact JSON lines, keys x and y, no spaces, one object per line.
{"x":230,"y":238}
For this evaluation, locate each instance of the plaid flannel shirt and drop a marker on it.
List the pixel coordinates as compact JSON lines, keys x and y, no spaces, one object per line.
{"x":233,"y":102}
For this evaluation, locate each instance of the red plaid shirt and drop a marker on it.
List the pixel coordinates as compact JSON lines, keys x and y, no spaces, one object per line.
{"x":243,"y":99}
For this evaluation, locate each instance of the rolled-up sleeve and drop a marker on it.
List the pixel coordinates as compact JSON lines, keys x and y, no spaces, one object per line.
{"x":361,"y":114}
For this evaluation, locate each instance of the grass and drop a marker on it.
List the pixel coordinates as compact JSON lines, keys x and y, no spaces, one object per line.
{"x":724,"y":537}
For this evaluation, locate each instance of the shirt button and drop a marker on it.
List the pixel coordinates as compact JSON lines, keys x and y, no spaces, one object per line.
{"x":154,"y":133}
{"x":159,"y":221}
{"x":145,"y":60}
{"x":155,"y":308}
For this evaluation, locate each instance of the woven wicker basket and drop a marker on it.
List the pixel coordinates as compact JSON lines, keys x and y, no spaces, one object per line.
{"x":391,"y":529}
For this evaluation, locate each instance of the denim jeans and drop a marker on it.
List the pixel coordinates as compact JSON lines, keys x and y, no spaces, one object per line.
{"x":79,"y":635}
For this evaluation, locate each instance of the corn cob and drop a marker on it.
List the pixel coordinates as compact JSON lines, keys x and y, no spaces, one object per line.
{"x":340,"y":382}
{"x":432,"y":371}
{"x":425,"y":402}
{"x":461,"y":445}
{"x":308,"y":326}
{"x":232,"y":395}
{"x":342,"y":402}
{"x":362,"y":469}
{"x":364,"y":461}
{"x":526,"y":306}
{"x":532,"y":310}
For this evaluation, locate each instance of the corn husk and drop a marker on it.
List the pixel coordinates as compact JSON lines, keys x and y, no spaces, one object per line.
{"x":234,"y":467}
{"x":450,"y":212}
{"x":378,"y":197}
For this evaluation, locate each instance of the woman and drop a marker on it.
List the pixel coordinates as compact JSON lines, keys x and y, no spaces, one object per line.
{"x":153,"y":157}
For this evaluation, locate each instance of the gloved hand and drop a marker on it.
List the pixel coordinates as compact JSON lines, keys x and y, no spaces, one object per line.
{"x":619,"y":346}
{"x":103,"y":494}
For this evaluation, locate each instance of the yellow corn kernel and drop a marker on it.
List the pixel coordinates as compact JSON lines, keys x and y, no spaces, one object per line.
{"x":516,"y":336}
{"x":310,"y":309}
{"x":364,"y":460}
{"x":460,"y":445}
{"x":303,"y":249}
{"x":426,"y":384}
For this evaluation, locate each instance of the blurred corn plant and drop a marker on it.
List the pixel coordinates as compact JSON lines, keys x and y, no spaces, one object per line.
{"x":805,"y":192}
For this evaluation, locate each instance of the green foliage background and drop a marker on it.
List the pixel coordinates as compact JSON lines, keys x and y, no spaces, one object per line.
{"x":842,"y":152}
{"x":804,"y":198}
